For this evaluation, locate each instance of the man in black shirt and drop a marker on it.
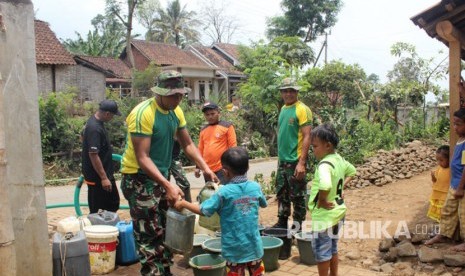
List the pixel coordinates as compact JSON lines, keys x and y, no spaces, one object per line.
{"x":97,"y":164}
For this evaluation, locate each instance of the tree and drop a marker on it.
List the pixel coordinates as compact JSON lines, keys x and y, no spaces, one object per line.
{"x":106,"y":39}
{"x":115,"y":7}
{"x":146,"y":14}
{"x":176,"y":25}
{"x":412,"y":78}
{"x":296,"y":53}
{"x":259,"y":94}
{"x":337,"y":82}
{"x":304,"y":18}
{"x":219,"y":26}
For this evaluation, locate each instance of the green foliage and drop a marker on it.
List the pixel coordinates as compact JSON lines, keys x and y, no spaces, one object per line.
{"x":106,"y":39}
{"x":414,"y":128}
{"x":293,"y":50}
{"x":58,"y":132}
{"x":304,"y":18}
{"x":174,"y":25}
{"x":335,"y":83}
{"x":260,"y":96}
{"x":144,"y":80}
{"x":361,"y":138}
{"x":268,"y":185}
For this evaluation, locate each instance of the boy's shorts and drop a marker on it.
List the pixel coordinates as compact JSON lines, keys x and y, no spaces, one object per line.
{"x":255,"y":268}
{"x":324,"y":244}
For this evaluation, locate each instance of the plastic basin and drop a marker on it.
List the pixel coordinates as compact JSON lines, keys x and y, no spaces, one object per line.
{"x":208,"y":265}
{"x":285,"y":236}
{"x":271,"y":248}
{"x":212,"y":245}
{"x":304,"y":244}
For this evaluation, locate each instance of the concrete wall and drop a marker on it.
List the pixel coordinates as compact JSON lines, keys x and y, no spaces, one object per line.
{"x":24,"y":177}
{"x":90,"y":83}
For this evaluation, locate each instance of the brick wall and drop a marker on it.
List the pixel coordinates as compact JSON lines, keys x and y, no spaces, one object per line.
{"x":90,"y":83}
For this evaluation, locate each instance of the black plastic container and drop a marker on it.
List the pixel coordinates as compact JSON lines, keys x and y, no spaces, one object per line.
{"x":286,"y":236}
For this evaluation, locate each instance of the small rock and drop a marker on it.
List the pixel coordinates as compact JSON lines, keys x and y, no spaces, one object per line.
{"x":391,"y":255}
{"x":457,"y":269}
{"x":353,"y":255}
{"x":430,"y":255}
{"x":376,"y":268}
{"x":454,"y":260}
{"x":387,"y":268}
{"x":439,"y":270}
{"x":367,"y":262}
{"x":385,"y":244}
{"x":418,"y":238}
{"x":406,"y":250}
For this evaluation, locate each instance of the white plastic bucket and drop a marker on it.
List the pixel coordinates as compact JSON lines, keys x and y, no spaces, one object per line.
{"x":72,"y":224}
{"x":101,"y":240}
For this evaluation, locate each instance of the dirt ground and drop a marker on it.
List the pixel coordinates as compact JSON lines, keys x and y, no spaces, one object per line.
{"x":373,"y":209}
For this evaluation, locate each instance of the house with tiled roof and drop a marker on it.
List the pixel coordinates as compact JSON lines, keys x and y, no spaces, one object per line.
{"x":228,"y":51}
{"x":227,"y":74}
{"x":199,"y":75}
{"x":117,"y":72}
{"x":58,"y":71}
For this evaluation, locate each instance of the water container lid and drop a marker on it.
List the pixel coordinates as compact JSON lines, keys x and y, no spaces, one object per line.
{"x":101,"y":231}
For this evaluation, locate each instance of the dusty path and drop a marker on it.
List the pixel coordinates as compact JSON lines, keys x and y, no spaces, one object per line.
{"x":374,"y":209}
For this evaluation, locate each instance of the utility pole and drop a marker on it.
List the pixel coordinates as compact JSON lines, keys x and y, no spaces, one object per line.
{"x":326,"y":48}
{"x":323,"y":46}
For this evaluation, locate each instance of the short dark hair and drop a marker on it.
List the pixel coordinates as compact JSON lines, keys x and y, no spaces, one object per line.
{"x":326,"y":133}
{"x":236,"y":159}
{"x":460,"y":114}
{"x":444,"y":150}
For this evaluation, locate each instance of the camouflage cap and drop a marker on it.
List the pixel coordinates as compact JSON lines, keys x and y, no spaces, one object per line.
{"x":169,"y":83}
{"x":289,"y":83}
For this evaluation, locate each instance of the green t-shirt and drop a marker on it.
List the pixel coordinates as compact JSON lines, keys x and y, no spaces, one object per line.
{"x":291,"y":119}
{"x":147,"y":119}
{"x":330,"y":175}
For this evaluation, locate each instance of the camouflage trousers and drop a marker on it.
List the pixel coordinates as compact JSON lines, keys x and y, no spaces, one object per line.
{"x":290,"y":190}
{"x":181,"y":180}
{"x":147,"y":206}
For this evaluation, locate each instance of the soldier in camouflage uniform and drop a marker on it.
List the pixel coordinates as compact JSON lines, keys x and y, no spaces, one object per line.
{"x":294,"y":126}
{"x":178,"y":172}
{"x":152,"y":126}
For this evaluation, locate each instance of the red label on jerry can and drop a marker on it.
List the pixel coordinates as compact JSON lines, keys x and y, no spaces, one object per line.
{"x":101,"y":247}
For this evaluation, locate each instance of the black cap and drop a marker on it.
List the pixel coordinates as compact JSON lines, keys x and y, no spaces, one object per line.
{"x":209,"y":105}
{"x":110,"y":106}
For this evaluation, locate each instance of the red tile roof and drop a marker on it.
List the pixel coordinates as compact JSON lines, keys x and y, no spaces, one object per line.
{"x":167,"y":54}
{"x":114,"y":66}
{"x":230,"y":49}
{"x":49,"y":50}
{"x":217,"y":59}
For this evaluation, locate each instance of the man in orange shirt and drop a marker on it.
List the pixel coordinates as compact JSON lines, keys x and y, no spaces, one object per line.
{"x":215,"y":138}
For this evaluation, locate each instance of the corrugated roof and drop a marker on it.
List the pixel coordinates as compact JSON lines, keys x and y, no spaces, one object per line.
{"x":114,"y":66}
{"x":167,"y":54}
{"x":217,"y":60}
{"x":446,"y":10}
{"x":49,"y":50}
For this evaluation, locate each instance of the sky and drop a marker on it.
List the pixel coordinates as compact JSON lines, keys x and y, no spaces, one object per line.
{"x":364,"y":33}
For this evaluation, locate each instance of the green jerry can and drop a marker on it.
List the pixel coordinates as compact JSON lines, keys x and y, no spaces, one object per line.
{"x":211,"y":223}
